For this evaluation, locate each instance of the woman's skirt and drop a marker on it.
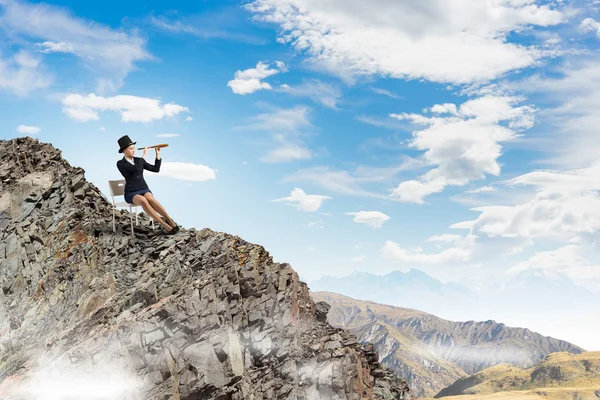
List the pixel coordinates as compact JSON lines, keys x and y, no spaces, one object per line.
{"x":129,"y":196}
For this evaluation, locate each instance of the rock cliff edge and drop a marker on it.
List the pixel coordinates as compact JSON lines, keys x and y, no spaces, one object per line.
{"x":197,"y":315}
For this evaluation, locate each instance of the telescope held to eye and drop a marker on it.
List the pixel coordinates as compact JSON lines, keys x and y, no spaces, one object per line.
{"x":158,"y":146}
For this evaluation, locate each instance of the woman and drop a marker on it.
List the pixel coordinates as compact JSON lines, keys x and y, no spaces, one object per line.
{"x":136,"y":188}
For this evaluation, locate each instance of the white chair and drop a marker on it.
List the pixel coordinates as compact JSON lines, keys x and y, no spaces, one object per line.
{"x":117,"y":188}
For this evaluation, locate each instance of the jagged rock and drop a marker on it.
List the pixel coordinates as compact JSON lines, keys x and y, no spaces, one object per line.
{"x":198,"y":315}
{"x":322,"y":308}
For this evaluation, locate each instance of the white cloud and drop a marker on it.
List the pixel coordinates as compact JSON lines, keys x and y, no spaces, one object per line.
{"x":415,"y":191}
{"x":131,"y":108}
{"x":483,"y":189}
{"x":358,"y":259}
{"x":465,"y":145}
{"x":590,"y":25}
{"x":52,"y":47}
{"x":188,"y":118}
{"x":577,"y":89}
{"x":23,"y":73}
{"x":336,"y":181}
{"x":187,"y":171}
{"x":565,"y":256}
{"x":26,"y":60}
{"x":347,"y":182}
{"x":565,"y":204}
{"x":463,"y":225}
{"x":314,"y":224}
{"x":108,"y":53}
{"x":568,"y":260}
{"x":385,"y":92}
{"x":285,"y":127}
{"x":167,"y":135}
{"x":317,"y":91}
{"x":446,"y":238}
{"x":444,"y":108}
{"x":281,"y":120}
{"x":102,"y":129}
{"x":250,"y":80}
{"x":374,"y":219}
{"x":579,"y":180}
{"x":218,"y":24}
{"x":32,"y":130}
{"x":304,"y":202}
{"x":458,"y":41}
{"x":462,"y":251}
{"x":387,"y":122}
{"x":287,"y":153}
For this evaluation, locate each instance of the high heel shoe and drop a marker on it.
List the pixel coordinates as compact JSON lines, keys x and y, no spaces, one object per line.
{"x":172,"y":231}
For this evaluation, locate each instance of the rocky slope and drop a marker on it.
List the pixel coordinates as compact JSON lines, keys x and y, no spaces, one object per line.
{"x":432,"y":353}
{"x":559,"y":375}
{"x":198,"y":315}
{"x":426,"y":373}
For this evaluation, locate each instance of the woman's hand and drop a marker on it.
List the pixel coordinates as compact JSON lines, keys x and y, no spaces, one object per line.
{"x":145,"y":151}
{"x":157,"y":152}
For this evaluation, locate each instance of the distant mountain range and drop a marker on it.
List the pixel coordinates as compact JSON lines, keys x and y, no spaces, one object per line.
{"x":530,"y":298}
{"x":413,"y":289}
{"x":433,"y":353}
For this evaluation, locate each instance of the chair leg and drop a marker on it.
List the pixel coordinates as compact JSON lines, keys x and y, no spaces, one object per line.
{"x":131,"y":219}
{"x":136,"y":216}
{"x":114,"y":229}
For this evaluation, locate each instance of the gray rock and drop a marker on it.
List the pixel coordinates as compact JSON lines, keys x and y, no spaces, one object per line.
{"x":208,"y":368}
{"x":322,"y":308}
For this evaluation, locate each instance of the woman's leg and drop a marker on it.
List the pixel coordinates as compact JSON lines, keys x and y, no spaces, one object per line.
{"x":158,"y":207}
{"x":140,"y":200}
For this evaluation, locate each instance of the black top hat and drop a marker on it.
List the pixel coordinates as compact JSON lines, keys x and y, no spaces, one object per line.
{"x":125,"y":142}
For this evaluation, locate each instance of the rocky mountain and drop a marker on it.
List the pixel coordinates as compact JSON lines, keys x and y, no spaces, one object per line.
{"x":88,"y":313}
{"x":431,"y":352}
{"x":558,"y":376}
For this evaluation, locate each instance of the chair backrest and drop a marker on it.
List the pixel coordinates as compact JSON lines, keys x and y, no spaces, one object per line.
{"x":117,"y":187}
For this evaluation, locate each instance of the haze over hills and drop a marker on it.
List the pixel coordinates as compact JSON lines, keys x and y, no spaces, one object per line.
{"x":528,"y":299}
{"x":430,"y":351}
{"x":558,"y":376}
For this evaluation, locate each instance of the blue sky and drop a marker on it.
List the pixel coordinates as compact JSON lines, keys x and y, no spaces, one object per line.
{"x":455,"y":137}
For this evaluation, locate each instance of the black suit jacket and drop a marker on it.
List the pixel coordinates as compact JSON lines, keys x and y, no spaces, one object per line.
{"x":134,"y":174}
